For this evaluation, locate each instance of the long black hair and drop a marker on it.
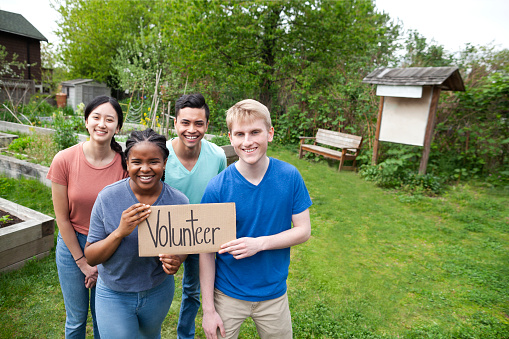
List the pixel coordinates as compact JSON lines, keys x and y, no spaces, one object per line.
{"x":148,"y":135}
{"x":103,"y":99}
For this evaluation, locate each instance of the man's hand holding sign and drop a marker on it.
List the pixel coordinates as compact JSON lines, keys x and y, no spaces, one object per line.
{"x":186,"y":229}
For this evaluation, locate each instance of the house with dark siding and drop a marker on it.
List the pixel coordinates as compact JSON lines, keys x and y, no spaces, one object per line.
{"x":20,"y":37}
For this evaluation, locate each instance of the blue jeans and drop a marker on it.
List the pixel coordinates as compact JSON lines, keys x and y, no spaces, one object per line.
{"x":126,"y":315}
{"x":190,"y":297}
{"x":77,"y":297}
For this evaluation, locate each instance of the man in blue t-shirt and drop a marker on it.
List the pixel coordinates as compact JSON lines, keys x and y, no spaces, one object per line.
{"x":247,"y":277}
{"x":192,"y":162}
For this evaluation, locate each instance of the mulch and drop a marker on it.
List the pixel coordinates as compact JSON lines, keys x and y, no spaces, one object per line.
{"x":13,"y":219}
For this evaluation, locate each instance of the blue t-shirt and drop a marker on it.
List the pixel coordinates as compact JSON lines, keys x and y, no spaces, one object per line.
{"x":125,"y":271}
{"x":210,"y":163}
{"x":263,"y":209}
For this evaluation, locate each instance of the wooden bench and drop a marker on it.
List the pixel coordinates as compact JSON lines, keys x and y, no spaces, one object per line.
{"x":349,"y":146}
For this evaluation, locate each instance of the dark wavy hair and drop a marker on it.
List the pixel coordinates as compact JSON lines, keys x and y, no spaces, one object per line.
{"x":103,"y":99}
{"x":147,"y":135}
{"x":193,"y":100}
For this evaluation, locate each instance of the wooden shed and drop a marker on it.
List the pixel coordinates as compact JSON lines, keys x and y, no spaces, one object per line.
{"x":83,"y":91}
{"x":408,"y":104}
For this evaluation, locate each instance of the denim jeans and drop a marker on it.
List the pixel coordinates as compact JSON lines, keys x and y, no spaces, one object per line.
{"x":127,"y":315}
{"x":190,"y":297}
{"x":77,"y":297}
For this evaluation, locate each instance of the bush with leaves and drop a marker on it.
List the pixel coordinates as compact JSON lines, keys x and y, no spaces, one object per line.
{"x":220,"y":140}
{"x":19,"y":145}
{"x":398,"y":169}
{"x":472,"y":130}
{"x":392,"y":174}
{"x":65,"y":130}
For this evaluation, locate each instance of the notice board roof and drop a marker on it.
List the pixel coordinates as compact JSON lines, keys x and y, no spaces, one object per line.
{"x":448,"y":78}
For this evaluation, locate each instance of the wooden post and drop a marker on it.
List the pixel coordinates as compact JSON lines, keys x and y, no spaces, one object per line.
{"x":435,"y":95}
{"x":374,"y":159}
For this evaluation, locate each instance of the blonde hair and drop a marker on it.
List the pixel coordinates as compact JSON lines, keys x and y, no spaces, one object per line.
{"x":249,"y":110}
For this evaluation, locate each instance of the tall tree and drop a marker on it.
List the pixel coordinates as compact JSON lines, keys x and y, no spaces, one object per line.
{"x":305,"y":57}
{"x":92,"y":31}
{"x":421,"y":53}
{"x":266,"y":46}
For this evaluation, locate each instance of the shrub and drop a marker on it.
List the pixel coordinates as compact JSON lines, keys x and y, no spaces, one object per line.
{"x":19,"y":145}
{"x":220,"y":140}
{"x":393,"y":174}
{"x":67,"y":110}
{"x":65,"y":131}
{"x":387,"y":175}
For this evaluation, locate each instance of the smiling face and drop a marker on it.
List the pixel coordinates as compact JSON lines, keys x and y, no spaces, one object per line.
{"x":191,"y":125}
{"x":250,"y":139}
{"x":145,"y":165}
{"x":102,"y":123}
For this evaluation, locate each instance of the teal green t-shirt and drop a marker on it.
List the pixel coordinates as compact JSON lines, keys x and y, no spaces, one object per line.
{"x":192,"y":183}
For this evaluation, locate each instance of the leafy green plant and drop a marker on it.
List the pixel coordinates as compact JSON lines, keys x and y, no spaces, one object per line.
{"x":391,"y":174}
{"x":36,"y":147}
{"x":20,"y":144}
{"x":398,"y":170}
{"x":220,"y":140}
{"x":65,"y":131}
{"x":67,"y":110}
{"x":5,"y":219}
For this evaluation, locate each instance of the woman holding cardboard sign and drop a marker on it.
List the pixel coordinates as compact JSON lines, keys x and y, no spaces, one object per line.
{"x":133,"y":293}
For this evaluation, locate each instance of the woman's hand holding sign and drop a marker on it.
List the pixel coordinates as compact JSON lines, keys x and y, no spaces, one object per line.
{"x":171,"y":262}
{"x":131,"y":218}
{"x":101,"y":251}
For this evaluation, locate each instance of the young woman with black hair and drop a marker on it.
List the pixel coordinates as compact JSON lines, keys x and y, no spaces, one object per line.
{"x":133,"y":293}
{"x":77,"y":174}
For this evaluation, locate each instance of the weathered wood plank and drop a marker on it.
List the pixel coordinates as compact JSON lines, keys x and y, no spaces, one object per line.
{"x":20,"y":264}
{"x":19,"y":234}
{"x":26,"y":251}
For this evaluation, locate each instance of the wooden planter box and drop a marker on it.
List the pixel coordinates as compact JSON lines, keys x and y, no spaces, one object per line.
{"x":26,"y":240}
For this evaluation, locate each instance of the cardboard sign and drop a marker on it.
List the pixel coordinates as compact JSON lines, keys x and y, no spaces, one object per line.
{"x":186,"y":229}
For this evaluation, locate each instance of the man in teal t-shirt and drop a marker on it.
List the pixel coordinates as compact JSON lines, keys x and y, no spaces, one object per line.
{"x":192,"y":162}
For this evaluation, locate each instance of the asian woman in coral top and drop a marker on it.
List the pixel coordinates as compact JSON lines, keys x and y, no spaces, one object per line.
{"x":77,"y":174}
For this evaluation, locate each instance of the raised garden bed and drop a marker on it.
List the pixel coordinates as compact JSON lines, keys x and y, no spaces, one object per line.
{"x":32,"y":237}
{"x":16,"y":168}
{"x":6,"y":139}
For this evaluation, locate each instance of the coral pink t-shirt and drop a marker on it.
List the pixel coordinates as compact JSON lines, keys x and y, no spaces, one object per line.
{"x":84,"y":181}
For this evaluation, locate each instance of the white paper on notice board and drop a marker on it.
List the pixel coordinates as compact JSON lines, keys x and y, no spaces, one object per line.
{"x":404,"y":120}
{"x":399,"y":91}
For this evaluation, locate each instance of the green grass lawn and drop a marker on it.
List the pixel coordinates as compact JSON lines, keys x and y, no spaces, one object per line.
{"x":379,"y":264}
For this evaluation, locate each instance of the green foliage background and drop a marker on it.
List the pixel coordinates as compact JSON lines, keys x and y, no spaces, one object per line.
{"x":305,"y":60}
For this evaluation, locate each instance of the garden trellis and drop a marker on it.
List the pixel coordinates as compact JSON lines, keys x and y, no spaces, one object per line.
{"x":157,"y":114}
